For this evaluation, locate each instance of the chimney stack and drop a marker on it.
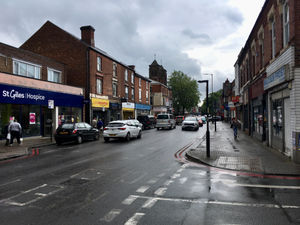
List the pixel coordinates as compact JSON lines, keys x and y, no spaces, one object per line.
{"x":132,"y":67}
{"x":87,"y":35}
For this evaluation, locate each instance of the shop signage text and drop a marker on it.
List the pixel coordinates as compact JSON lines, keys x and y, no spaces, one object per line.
{"x":275,"y":79}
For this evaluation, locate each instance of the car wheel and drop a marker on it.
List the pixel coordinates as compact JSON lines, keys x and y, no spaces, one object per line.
{"x":106,"y":139}
{"x":140,"y":135}
{"x":157,"y":128}
{"x":96,"y":138}
{"x":79,"y":139}
{"x":127,"y":138}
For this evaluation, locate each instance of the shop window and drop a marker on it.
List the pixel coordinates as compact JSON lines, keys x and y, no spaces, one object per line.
{"x":26,"y":69}
{"x":258,"y":120}
{"x":69,"y":115}
{"x":54,"y":76}
{"x":277,"y":117}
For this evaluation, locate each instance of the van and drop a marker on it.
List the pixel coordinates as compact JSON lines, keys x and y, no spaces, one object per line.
{"x":165,"y":121}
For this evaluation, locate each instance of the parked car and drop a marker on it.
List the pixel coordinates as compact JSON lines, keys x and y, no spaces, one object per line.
{"x":179,"y":119}
{"x":122,"y":129}
{"x":165,"y":121}
{"x":148,"y":121}
{"x":190,"y":123}
{"x":136,"y":122}
{"x":77,"y":132}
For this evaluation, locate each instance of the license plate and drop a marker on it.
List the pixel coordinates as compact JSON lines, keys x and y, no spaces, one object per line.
{"x":112,"y":135}
{"x":63,"y":132}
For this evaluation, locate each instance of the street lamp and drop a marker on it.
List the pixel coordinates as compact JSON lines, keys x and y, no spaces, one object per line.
{"x":207,"y":122}
{"x":212,"y":91}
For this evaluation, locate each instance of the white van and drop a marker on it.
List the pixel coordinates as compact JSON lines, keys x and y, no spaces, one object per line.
{"x":165,"y":121}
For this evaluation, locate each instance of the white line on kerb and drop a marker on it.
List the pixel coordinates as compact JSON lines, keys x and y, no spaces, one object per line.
{"x":232,"y":183}
{"x":149,"y":203}
{"x":111,"y":215}
{"x":135,"y":219}
{"x":142,"y":189}
{"x":129,"y":200}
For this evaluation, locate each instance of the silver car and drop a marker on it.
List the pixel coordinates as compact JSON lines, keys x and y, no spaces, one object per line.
{"x":122,"y":129}
{"x":190,"y":123}
{"x":165,"y":121}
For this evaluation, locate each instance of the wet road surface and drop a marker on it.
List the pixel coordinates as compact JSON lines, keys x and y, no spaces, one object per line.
{"x":139,"y":182}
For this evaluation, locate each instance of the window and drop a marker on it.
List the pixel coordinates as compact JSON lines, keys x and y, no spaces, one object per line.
{"x":132,"y":93}
{"x":126,"y":92}
{"x":54,"y":76}
{"x":132,"y":78}
{"x":147,"y":85}
{"x":114,"y":89}
{"x":286,"y":28}
{"x":140,"y":94}
{"x":99,"y":86}
{"x":99,"y":63}
{"x":140,"y":80}
{"x":273,"y":34}
{"x":126,"y":75}
{"x":114,"y":69}
{"x":147,"y":96}
{"x":26,"y":69}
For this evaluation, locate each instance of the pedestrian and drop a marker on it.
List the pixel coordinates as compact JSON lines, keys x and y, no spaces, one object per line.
{"x":15,"y":131}
{"x":235,"y":127}
{"x":94,"y":123}
{"x":99,"y":124}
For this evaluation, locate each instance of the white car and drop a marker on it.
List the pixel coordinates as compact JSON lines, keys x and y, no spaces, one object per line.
{"x":190,"y":123}
{"x":122,"y":129}
{"x":165,"y":121}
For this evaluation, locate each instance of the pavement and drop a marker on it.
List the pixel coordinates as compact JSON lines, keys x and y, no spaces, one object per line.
{"x":25,"y":148}
{"x":243,"y":154}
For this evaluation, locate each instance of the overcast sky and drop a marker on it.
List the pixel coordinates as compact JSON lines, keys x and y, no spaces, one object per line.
{"x":193,"y":36}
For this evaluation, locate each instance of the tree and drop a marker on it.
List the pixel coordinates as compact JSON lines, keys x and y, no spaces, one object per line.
{"x":213,"y":102}
{"x":185,"y":92}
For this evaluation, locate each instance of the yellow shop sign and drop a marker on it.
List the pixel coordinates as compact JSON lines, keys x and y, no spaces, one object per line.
{"x":100,"y":103}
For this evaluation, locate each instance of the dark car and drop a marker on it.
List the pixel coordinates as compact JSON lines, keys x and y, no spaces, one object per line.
{"x":148,"y":121}
{"x":77,"y":132}
{"x":179,"y":119}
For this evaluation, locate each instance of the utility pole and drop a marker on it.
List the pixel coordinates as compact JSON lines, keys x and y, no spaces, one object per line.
{"x":207,"y":122}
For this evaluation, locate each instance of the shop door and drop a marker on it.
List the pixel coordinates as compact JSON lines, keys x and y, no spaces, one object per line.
{"x":277,"y":124}
{"x":47,"y":121}
{"x":287,"y":125}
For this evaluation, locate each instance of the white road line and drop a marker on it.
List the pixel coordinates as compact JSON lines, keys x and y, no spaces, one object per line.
{"x":135,"y":219}
{"x":182,"y":180}
{"x":138,"y":178}
{"x":176,"y":175}
{"x":33,"y":189}
{"x":149,"y":203}
{"x":180,"y":170}
{"x":262,"y":185}
{"x":161,"y":175}
{"x":143,"y":189}
{"x":129,"y":200}
{"x":168,"y":182}
{"x":160,"y":191}
{"x":111,"y":215}
{"x":244,"y":204}
{"x":40,"y":194}
{"x":152,"y":181}
{"x":11,"y":182}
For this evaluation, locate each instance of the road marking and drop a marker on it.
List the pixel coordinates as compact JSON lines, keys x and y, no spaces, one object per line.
{"x":129,"y":200}
{"x":11,"y":182}
{"x":180,"y":170}
{"x":152,"y":181}
{"x":143,"y":189}
{"x":176,"y":175}
{"x":182,"y":180}
{"x":149,"y":203}
{"x":212,"y":202}
{"x":137,"y":179}
{"x":161,"y":175}
{"x":135,"y":219}
{"x":168,"y":182}
{"x":160,"y":191}
{"x":232,"y":183}
{"x":111,"y":215}
{"x":33,"y":189}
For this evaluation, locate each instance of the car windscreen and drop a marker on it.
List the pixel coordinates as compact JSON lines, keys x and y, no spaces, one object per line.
{"x":163,"y":117}
{"x":67,"y":126}
{"x":116,"y":125}
{"x":190,"y":119}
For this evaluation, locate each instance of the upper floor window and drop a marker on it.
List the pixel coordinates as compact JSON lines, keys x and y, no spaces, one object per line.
{"x":26,"y":69}
{"x":140,"y":81}
{"x":132,"y":93}
{"x":54,"y":76}
{"x":115,"y":87}
{"x":99,"y":63}
{"x":140,"y":95}
{"x":99,"y":86}
{"x":286,"y":27}
{"x":147,"y":96}
{"x":147,"y":85}
{"x":114,"y":69}
{"x":273,"y":35}
{"x":126,"y":92}
{"x":126,"y":75}
{"x":132,"y":78}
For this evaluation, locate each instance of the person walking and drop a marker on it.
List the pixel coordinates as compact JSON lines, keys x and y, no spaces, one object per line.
{"x":94,"y":123}
{"x":235,"y":127}
{"x":15,"y":131}
{"x":99,"y":124}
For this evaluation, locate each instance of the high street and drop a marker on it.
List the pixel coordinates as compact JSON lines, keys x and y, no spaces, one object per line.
{"x":144,"y":181}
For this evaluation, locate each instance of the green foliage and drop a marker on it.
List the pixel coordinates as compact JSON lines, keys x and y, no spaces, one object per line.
{"x":184,"y":91}
{"x":213,"y":102}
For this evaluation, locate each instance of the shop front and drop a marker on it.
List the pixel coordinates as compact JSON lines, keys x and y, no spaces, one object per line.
{"x":114,"y":111}
{"x":128,"y":110}
{"x":142,"y":109}
{"x":38,"y":111}
{"x":100,"y":109}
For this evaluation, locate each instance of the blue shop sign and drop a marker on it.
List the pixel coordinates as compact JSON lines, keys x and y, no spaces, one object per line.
{"x":20,"y":95}
{"x":142,"y":107}
{"x":275,"y":79}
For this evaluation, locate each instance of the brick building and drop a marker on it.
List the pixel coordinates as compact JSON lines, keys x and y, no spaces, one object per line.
{"x":33,"y":92}
{"x":108,"y":83}
{"x":268,"y":76}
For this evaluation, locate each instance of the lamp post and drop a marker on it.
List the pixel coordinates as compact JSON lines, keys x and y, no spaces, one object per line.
{"x":207,"y":123}
{"x":212,"y":91}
